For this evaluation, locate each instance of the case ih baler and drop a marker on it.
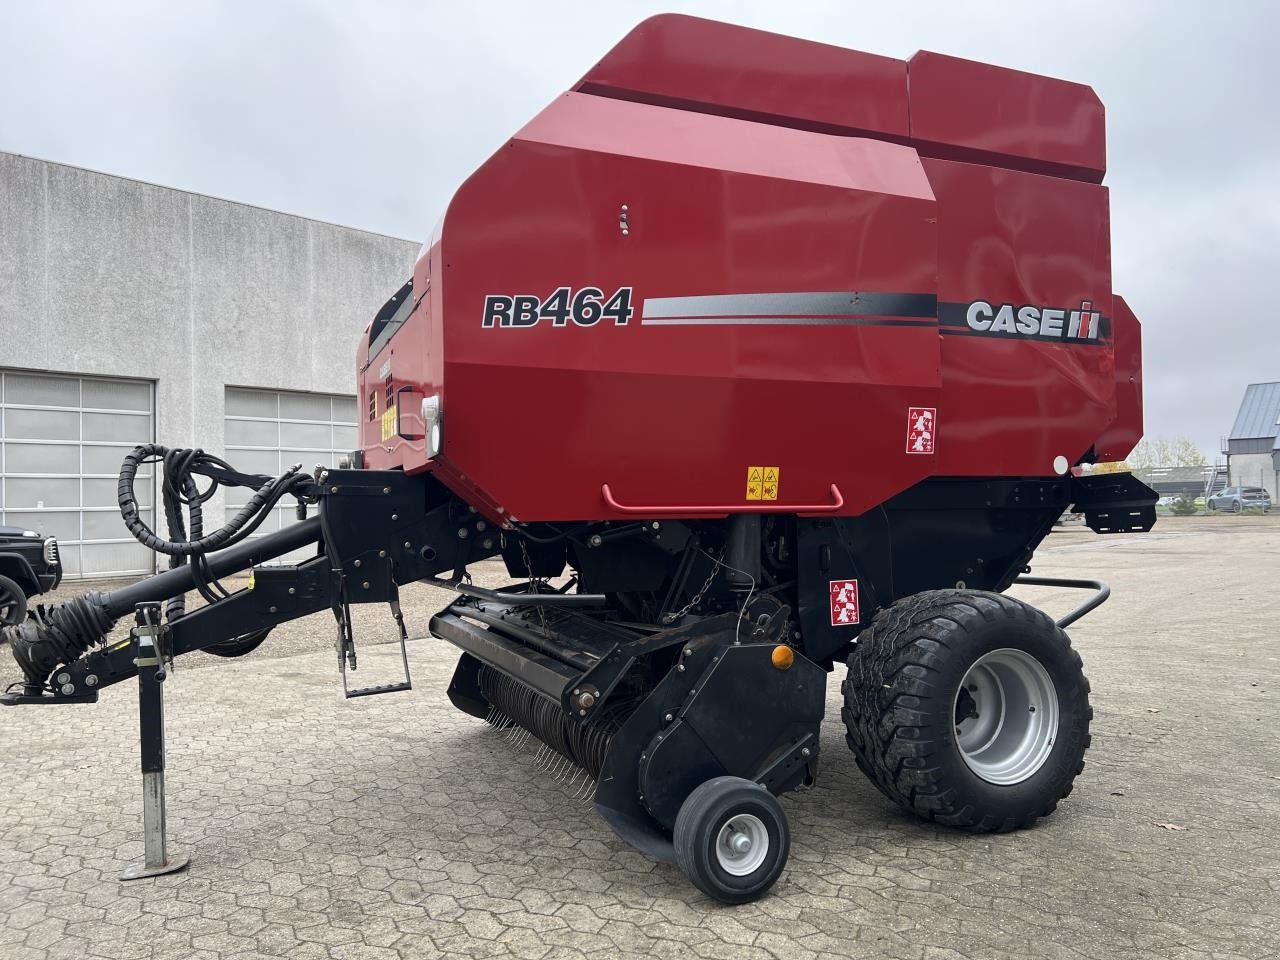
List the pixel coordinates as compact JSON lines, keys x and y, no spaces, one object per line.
{"x":748,"y":355}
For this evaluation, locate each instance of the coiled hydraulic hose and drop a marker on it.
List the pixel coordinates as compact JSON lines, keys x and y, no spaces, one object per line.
{"x":180,"y":490}
{"x":57,"y":634}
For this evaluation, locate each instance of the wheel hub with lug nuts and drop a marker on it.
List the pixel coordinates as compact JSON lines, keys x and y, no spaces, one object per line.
{"x":742,"y":845}
{"x":1006,"y":716}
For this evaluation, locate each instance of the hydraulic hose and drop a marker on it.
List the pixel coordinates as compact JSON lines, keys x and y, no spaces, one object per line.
{"x":57,"y":634}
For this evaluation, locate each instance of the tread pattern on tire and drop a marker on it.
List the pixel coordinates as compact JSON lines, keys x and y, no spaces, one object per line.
{"x":689,"y":845}
{"x":894,"y":669}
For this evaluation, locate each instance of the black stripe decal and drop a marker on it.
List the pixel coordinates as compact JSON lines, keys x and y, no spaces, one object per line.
{"x":787,"y":321}
{"x":788,"y":308}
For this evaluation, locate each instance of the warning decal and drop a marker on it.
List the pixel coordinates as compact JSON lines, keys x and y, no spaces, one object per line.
{"x":762,"y":483}
{"x":922,"y":425}
{"x":844,"y":603}
{"x":390,"y":420}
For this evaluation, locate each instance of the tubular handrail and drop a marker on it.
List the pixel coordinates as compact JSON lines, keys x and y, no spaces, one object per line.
{"x":1103,"y":591}
{"x":748,"y":506}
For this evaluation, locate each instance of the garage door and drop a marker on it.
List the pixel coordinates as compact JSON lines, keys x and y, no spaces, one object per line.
{"x":62,"y":442}
{"x":268,"y":431}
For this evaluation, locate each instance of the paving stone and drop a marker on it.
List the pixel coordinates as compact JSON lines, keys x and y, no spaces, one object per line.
{"x":396,"y":827}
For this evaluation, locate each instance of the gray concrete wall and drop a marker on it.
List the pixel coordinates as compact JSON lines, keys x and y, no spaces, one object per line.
{"x":103,"y":275}
{"x":1255,"y":470}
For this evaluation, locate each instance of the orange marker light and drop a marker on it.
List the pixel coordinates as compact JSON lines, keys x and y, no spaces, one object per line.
{"x":783,"y":657}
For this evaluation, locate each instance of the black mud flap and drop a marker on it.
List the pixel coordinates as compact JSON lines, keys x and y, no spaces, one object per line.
{"x":729,"y":712}
{"x":1114,"y":502}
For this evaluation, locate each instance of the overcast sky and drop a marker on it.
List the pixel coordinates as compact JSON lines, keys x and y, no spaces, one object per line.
{"x":370,"y":114}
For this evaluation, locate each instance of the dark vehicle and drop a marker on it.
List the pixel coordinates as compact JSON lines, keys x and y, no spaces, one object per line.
{"x":1237,"y":499}
{"x":28,"y":566}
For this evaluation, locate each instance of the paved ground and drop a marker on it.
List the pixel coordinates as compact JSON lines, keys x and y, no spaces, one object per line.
{"x":396,"y":827}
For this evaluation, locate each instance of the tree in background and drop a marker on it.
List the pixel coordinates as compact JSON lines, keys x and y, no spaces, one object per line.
{"x":1162,"y":452}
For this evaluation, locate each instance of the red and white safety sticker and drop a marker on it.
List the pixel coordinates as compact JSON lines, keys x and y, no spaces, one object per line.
{"x":844,"y":603}
{"x":922,"y":428}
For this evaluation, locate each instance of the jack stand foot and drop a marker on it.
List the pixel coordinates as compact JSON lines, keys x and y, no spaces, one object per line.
{"x":148,"y":639}
{"x":140,"y":871}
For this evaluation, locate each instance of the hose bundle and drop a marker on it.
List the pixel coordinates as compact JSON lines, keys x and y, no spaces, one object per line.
{"x":181,"y":490}
{"x":57,"y":634}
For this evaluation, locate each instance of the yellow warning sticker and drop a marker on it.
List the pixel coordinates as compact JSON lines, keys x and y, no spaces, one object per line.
{"x":762,"y":483}
{"x":251,"y":579}
{"x":390,"y":420}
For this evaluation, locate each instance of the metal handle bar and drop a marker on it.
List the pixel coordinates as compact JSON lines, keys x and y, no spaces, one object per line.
{"x":707,"y":511}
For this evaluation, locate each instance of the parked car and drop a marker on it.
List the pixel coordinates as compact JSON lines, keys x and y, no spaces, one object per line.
{"x":1237,"y":499}
{"x":28,"y":566}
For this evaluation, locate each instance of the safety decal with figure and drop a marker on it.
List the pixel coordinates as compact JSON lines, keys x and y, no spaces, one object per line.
{"x":922,"y":426}
{"x":844,"y":603}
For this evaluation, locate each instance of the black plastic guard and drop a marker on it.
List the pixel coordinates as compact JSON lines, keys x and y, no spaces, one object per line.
{"x":1114,"y":502}
{"x":732,"y":712}
{"x":745,"y":719}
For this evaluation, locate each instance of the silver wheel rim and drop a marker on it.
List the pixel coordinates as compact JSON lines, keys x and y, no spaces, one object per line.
{"x":742,"y":845}
{"x":1006,"y":715}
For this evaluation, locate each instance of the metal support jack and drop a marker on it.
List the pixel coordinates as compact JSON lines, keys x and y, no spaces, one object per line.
{"x":148,"y":642}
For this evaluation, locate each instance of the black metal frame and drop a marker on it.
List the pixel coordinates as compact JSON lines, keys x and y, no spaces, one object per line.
{"x":687,"y":682}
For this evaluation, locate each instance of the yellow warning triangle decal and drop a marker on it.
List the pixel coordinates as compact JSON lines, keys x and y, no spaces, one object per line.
{"x":755,"y":476}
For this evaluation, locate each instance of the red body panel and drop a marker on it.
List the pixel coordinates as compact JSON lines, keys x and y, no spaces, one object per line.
{"x":984,"y":114}
{"x":1013,"y":405}
{"x":795,"y":289}
{"x":1126,"y":429}
{"x":681,"y":61}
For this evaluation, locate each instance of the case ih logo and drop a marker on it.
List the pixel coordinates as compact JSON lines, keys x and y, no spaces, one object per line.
{"x":1082,"y":324}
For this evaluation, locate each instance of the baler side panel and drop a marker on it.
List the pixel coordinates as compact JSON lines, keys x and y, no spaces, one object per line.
{"x":412,"y":358}
{"x":1119,"y":439}
{"x":1012,"y":404}
{"x":962,"y":110}
{"x":674,"y":413}
{"x":680,"y":61}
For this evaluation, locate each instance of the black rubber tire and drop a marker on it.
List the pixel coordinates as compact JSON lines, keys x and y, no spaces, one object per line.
{"x":899,"y":707}
{"x":698,"y":823}
{"x":13,"y":603}
{"x":1236,"y":507}
{"x":238,"y":646}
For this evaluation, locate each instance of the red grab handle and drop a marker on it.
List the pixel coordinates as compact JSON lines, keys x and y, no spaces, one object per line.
{"x":686,"y":510}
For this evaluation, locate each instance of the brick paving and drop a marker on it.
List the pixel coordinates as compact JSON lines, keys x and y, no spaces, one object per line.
{"x":396,"y":827}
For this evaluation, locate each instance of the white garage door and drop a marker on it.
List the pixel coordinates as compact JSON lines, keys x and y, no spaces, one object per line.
{"x":63,"y":440}
{"x":268,"y":431}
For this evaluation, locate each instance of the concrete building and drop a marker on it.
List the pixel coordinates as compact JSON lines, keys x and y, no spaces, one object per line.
{"x":131,"y":313}
{"x":1253,"y":446}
